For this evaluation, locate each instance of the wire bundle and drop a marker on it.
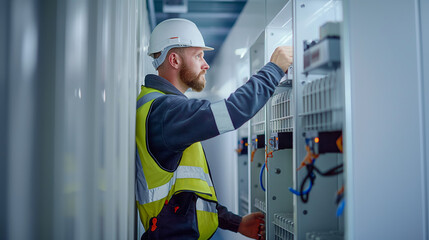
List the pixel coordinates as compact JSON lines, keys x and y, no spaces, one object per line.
{"x":310,"y":177}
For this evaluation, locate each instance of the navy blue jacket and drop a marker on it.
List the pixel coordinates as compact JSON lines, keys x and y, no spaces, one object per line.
{"x":175,"y":122}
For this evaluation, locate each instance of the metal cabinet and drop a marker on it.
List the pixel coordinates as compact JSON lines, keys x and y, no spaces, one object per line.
{"x":306,"y":105}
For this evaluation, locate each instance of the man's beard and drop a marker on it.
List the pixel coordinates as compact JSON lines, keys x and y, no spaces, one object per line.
{"x":195,"y":81}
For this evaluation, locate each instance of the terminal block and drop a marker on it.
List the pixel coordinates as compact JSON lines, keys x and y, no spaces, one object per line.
{"x":324,"y":142}
{"x":258,"y":141}
{"x":281,"y":140}
{"x":242,"y":146}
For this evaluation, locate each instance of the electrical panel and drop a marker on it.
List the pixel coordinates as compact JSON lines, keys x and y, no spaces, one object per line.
{"x":242,"y":173}
{"x":295,"y":141}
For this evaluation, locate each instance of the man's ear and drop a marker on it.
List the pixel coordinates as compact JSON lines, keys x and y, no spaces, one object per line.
{"x":175,"y":60}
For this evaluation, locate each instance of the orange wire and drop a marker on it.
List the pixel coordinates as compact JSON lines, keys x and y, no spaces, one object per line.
{"x":341,"y":190}
{"x":253,"y":154}
{"x":339,"y":143}
{"x":268,"y":155}
{"x":308,"y":159}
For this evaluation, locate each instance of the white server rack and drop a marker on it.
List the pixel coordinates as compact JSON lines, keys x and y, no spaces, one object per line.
{"x":330,"y":77}
{"x":257,"y":136}
{"x":318,"y":104}
{"x":305,"y":104}
{"x":243,"y":171}
{"x":270,"y":167}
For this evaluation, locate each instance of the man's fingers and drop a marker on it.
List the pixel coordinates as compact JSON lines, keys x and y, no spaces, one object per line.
{"x":282,"y":57}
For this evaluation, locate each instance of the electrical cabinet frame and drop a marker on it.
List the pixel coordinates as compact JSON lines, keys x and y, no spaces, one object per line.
{"x":275,"y":168}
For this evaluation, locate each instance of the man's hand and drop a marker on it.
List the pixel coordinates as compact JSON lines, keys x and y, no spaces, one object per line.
{"x":282,"y":57}
{"x":253,"y":226}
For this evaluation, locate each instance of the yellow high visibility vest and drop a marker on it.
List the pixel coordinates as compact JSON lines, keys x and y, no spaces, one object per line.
{"x":155,"y":185}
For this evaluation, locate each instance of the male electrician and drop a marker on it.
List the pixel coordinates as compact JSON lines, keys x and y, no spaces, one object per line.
{"x":174,"y":190}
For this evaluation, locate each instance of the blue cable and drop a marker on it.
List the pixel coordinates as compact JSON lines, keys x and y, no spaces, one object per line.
{"x":260,"y":177}
{"x":307,"y":141}
{"x":306,"y":191}
{"x":340,"y":208}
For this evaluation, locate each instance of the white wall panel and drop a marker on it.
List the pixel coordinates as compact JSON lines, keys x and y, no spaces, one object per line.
{"x":70,"y":110}
{"x":22,"y":49}
{"x":144,"y":63}
{"x":4,"y":22}
{"x":385,"y":161}
{"x":424,"y":28}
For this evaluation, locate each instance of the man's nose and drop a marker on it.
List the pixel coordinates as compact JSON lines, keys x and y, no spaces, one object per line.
{"x":205,"y":65}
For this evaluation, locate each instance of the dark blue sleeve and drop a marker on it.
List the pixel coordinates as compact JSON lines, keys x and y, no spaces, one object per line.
{"x":176,"y":122}
{"x":227,"y":219}
{"x":247,"y":100}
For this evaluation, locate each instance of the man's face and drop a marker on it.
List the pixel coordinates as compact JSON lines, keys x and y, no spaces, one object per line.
{"x":194,"y":68}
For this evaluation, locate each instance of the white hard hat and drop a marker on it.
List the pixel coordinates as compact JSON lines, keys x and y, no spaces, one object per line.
{"x":174,"y":32}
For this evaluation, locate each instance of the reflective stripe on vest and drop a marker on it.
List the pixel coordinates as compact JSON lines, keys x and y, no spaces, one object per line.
{"x":147,"y":98}
{"x":203,"y":205}
{"x":145,"y":195}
